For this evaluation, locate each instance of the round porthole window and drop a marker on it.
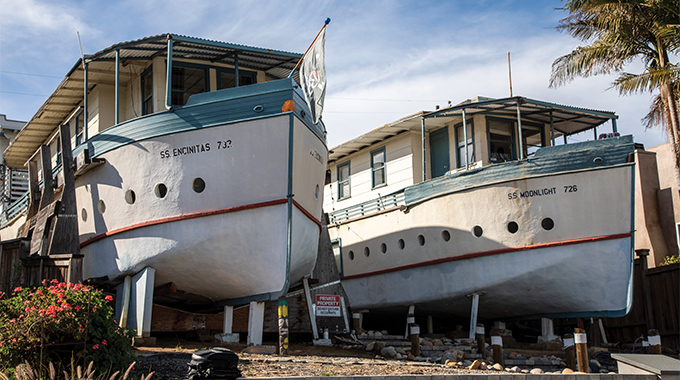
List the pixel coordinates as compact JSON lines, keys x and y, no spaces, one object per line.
{"x":101,"y":206}
{"x":198,"y":185}
{"x":351,"y":255}
{"x":383,"y":248}
{"x":477,"y":231}
{"x":421,"y":240}
{"x":83,"y":215}
{"x":446,"y":235}
{"x":547,"y":224}
{"x":161,"y":190}
{"x":130,"y":197}
{"x":316,"y":192}
{"x":367,"y":251}
{"x":401,"y":244}
{"x":513,"y":227}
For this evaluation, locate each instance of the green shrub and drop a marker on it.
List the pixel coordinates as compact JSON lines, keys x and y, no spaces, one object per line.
{"x":61,"y":323}
{"x":668,"y":260}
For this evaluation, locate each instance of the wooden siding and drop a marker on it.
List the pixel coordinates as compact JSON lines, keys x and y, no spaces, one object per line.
{"x":656,"y":305}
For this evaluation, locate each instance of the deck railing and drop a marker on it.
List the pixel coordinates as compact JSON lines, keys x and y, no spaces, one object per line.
{"x":369,"y":207}
{"x":21,"y":203}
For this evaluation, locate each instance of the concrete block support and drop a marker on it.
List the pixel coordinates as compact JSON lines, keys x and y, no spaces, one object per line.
{"x":255,"y":323}
{"x":141,"y":302}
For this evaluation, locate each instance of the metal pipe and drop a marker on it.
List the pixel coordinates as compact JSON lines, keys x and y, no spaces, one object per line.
{"x":422,"y":135}
{"x":168,"y":77}
{"x":595,"y":133}
{"x":85,"y":96}
{"x":614,"y":129}
{"x":519,"y":132}
{"x":552,"y":128}
{"x":117,"y":120}
{"x":236,"y":70}
{"x":467,"y":156}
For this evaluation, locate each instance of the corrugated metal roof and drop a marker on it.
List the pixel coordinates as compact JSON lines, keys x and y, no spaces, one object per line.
{"x":567,"y":120}
{"x":134,"y":56}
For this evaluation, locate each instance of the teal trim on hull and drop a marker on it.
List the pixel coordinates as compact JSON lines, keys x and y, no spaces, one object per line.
{"x":206,"y":110}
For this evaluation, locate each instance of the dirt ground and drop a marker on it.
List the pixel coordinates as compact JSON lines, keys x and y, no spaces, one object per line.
{"x":169,"y":360}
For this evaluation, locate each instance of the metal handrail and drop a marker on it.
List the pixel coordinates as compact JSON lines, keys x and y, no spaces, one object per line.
{"x":369,"y":207}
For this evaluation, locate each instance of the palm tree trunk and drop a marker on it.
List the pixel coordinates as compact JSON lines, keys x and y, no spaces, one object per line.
{"x":668,"y":97}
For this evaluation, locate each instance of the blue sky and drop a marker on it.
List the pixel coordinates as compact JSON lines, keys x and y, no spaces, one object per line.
{"x":385,"y":59}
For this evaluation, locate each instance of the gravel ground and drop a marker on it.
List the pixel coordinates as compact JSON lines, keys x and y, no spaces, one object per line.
{"x":172,"y":363}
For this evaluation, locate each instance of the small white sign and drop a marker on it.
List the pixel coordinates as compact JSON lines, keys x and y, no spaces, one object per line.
{"x":328,"y":306}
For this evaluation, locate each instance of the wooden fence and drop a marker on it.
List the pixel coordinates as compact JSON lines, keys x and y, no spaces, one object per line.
{"x":656,"y":305}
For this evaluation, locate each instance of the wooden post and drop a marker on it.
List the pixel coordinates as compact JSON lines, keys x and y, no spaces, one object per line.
{"x":255,"y":323}
{"x":654,"y":340}
{"x":646,"y":291}
{"x":581,"y":343}
{"x":479,"y":331}
{"x":283,"y":327}
{"x":410,"y":319}
{"x":356,"y":322}
{"x":497,"y":346}
{"x":569,"y":354}
{"x":414,"y":331}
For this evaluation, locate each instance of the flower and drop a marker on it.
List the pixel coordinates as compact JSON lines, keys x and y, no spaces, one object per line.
{"x":104,"y":342}
{"x":17,"y":289}
{"x":96,"y":346}
{"x":108,"y":298}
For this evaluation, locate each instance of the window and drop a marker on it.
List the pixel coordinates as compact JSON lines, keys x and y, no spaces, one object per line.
{"x":343,"y":181}
{"x":501,"y":141}
{"x":186,"y":81}
{"x":227,"y":78}
{"x":378,"y":167}
{"x":80,"y":124}
{"x":147,"y":91}
{"x":460,"y":144}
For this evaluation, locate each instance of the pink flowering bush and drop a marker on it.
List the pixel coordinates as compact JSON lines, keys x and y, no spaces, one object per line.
{"x":59,"y":322}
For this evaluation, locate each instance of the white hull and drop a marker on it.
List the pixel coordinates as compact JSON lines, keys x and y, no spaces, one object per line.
{"x":582,"y":266}
{"x":229,"y":241}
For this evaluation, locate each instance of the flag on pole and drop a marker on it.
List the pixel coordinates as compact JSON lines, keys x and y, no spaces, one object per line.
{"x":313,"y":76}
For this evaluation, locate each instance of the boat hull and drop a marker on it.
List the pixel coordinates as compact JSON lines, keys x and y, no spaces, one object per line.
{"x":554,"y":244}
{"x":227,"y":212}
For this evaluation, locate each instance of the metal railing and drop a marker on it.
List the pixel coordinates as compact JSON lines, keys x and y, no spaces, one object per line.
{"x":369,"y":207}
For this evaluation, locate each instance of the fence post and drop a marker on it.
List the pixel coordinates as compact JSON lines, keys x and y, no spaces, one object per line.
{"x":415,"y":339}
{"x":497,"y":346}
{"x":581,"y":341}
{"x":569,"y":355}
{"x":480,"y":340}
{"x":654,"y":342}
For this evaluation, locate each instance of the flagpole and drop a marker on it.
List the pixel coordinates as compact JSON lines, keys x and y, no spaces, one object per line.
{"x":328,"y":20}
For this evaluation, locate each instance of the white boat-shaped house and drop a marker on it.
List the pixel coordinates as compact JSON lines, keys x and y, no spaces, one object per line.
{"x":206,"y":169}
{"x":476,"y":206}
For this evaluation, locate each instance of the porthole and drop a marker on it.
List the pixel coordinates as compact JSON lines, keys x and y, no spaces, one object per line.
{"x":513,"y":227}
{"x":421,"y":240}
{"x":446,"y":235}
{"x":383,"y":248}
{"x":316,"y":192}
{"x":161,"y":190}
{"x":198,"y":185}
{"x":351,"y":255}
{"x":477,"y":231}
{"x":401,"y":244}
{"x":83,"y":215}
{"x":101,"y":206}
{"x":547,"y":224}
{"x":367,"y":251}
{"x":130,"y":197}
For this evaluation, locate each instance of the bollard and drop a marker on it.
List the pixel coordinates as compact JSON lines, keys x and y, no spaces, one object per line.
{"x":356,"y":321}
{"x":497,"y":347}
{"x":480,"y":340}
{"x":283,"y":327}
{"x":581,"y":343}
{"x":414,"y":331}
{"x":569,"y":351}
{"x":654,"y":342}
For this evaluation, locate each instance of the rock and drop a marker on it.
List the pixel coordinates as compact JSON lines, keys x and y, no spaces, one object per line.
{"x":370,"y":346}
{"x":410,"y":356}
{"x":384,"y":332}
{"x":378,"y":335}
{"x":398,"y":356}
{"x":476,"y":364}
{"x":536,"y":371}
{"x":594,"y":368}
{"x":401,"y":350}
{"x":426,"y":343}
{"x":437,"y":342}
{"x":371,"y":333}
{"x":489,"y":359}
{"x":497,"y":367}
{"x":525,"y":371}
{"x":563,"y":363}
{"x":483,"y":366}
{"x":512,"y":356}
{"x":450,"y":363}
{"x":515,"y":369}
{"x":594,"y":361}
{"x":604,"y":370}
{"x":467,"y":363}
{"x":388,"y":352}
{"x":520,"y":357}
{"x":455,"y":355}
{"x":567,"y":371}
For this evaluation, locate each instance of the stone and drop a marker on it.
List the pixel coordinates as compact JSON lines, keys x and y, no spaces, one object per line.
{"x":437,"y":342}
{"x":388,"y":352}
{"x":398,"y":356}
{"x":594,"y":368}
{"x":594,"y":361}
{"x":567,"y":371}
{"x":426,"y":343}
{"x":371,"y":333}
{"x":497,"y":367}
{"x":410,"y":356}
{"x":515,"y":369}
{"x":384,"y":332}
{"x":455,"y":355}
{"x":378,"y":335}
{"x":525,"y":371}
{"x":483,"y":366}
{"x":476,"y":364}
{"x":370,"y":346}
{"x":536,"y":371}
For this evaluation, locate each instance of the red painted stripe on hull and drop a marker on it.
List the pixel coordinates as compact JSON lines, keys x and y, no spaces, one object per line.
{"x":308,"y":214}
{"x":492,"y":252}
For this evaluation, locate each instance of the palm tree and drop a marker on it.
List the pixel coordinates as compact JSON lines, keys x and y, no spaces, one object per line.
{"x":617,"y":32}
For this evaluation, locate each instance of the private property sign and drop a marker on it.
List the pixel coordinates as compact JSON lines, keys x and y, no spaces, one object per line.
{"x":327,"y":306}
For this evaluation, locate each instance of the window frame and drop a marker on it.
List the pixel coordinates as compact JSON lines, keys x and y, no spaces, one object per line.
{"x":206,"y":79}
{"x":241,"y":72}
{"x":383,"y":167}
{"x":340,"y":183}
{"x":148,"y":72}
{"x":459,"y":144}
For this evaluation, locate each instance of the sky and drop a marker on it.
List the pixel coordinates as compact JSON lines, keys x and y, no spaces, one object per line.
{"x":385,"y":59}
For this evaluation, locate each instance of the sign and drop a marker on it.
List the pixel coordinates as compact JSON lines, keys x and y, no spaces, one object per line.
{"x":327,"y":306}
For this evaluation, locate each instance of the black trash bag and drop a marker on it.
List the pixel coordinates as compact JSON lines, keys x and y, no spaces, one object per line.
{"x":213,"y":363}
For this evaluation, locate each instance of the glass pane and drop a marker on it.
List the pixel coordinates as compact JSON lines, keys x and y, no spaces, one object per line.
{"x":378,"y":158}
{"x":227,"y":80}
{"x":344,"y":190}
{"x":379,"y":177}
{"x":344,"y":173}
